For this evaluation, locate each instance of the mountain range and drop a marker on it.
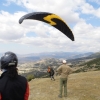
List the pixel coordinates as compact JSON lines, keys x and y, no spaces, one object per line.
{"x":57,"y":55}
{"x":70,"y":56}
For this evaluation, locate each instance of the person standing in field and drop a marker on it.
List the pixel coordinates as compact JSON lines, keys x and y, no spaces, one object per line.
{"x":51,"y":73}
{"x":64,"y":70}
{"x":12,"y":85}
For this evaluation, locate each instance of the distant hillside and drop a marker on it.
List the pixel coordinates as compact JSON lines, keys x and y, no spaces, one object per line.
{"x":93,"y":64}
{"x":28,"y":59}
{"x":56,"y":55}
{"x":83,"y":58}
{"x":95,"y":55}
{"x":92,"y":56}
{"x":39,"y":68}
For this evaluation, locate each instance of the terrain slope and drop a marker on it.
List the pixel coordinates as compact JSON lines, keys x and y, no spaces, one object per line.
{"x":81,"y":86}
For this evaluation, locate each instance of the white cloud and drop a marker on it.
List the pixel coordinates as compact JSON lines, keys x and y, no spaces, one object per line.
{"x":86,"y":8}
{"x":62,"y":8}
{"x":86,"y":35}
{"x":10,"y":29}
{"x":95,"y":1}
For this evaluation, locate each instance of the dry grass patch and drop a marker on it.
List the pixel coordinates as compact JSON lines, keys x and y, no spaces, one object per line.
{"x":81,"y":86}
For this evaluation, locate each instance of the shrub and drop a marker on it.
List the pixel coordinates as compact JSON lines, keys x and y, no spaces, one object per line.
{"x":30,"y":77}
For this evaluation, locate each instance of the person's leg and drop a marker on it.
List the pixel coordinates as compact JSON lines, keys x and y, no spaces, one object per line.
{"x":50,"y":76}
{"x":65,"y":87}
{"x":61,"y":87}
{"x":53,"y":77}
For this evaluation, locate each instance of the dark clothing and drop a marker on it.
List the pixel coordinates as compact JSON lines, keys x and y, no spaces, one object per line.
{"x":16,"y":89}
{"x":51,"y":73}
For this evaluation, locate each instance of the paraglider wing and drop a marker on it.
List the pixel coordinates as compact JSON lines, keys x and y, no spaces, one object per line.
{"x":51,"y":19}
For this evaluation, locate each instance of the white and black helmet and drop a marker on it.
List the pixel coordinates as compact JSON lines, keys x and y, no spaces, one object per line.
{"x":8,"y":59}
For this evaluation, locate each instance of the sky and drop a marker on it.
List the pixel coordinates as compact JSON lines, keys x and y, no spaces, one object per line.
{"x":82,"y":16}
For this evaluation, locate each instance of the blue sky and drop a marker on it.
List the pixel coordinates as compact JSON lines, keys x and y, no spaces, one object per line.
{"x":82,"y":16}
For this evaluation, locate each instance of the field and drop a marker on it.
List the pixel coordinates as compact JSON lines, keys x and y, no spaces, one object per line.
{"x":81,"y":86}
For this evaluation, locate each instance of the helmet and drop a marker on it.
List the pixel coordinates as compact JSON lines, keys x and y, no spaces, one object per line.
{"x":8,"y":59}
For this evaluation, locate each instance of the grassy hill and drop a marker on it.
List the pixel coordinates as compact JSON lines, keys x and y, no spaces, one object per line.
{"x":81,"y":86}
{"x":93,"y":63}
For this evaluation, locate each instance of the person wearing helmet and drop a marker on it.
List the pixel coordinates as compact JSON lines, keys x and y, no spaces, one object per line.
{"x":12,"y":85}
{"x":64,"y":70}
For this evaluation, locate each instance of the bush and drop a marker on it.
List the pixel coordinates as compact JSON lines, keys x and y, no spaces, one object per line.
{"x":30,"y":77}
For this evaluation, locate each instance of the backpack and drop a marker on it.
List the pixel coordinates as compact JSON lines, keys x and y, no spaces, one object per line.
{"x":48,"y":70}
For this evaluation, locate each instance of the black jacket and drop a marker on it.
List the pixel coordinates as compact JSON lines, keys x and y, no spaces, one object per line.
{"x":51,"y":72}
{"x":12,"y":89}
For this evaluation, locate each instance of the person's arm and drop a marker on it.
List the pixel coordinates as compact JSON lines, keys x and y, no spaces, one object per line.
{"x":0,"y":97}
{"x":27,"y":92}
{"x":59,"y":69}
{"x":70,"y":70}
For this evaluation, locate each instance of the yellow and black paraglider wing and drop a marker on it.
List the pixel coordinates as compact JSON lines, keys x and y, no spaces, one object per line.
{"x":51,"y":19}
